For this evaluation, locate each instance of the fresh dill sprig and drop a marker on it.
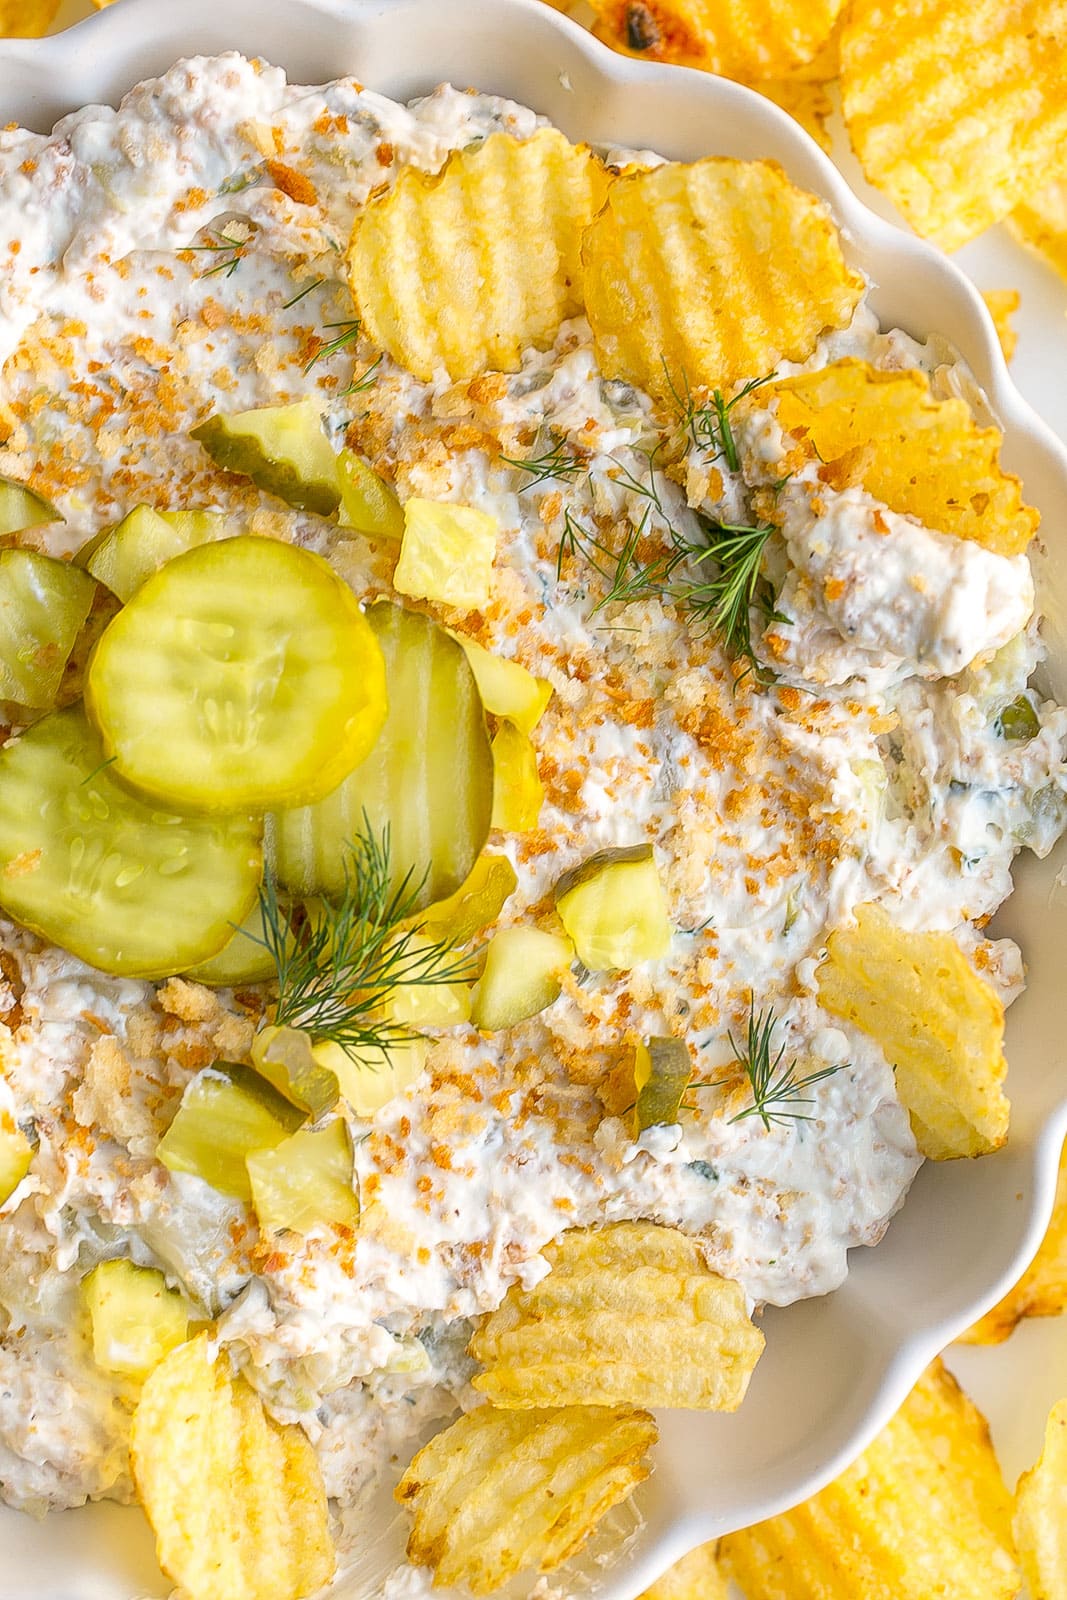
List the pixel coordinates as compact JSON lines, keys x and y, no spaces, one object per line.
{"x":558,"y":462}
{"x":777,"y":1093}
{"x":349,"y":331}
{"x":364,"y":381}
{"x":709,"y":426}
{"x":335,"y":971}
{"x":223,"y":242}
{"x":726,"y":601}
{"x":309,"y":288}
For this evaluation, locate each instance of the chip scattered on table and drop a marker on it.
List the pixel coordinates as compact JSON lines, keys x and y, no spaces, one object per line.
{"x":806,"y":101}
{"x":1041,"y":1513}
{"x":236,"y":1501}
{"x":468,"y":268}
{"x":27,"y":19}
{"x":595,"y":1329}
{"x":742,"y":39}
{"x":501,"y":1491}
{"x":1002,"y":304}
{"x":956,"y":108}
{"x":698,"y":1576}
{"x":705,"y":274}
{"x":1042,"y":1289}
{"x":1040,"y":222}
{"x":924,"y":1511}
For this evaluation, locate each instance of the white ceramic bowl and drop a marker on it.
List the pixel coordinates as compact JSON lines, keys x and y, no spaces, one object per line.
{"x":834,"y":1369}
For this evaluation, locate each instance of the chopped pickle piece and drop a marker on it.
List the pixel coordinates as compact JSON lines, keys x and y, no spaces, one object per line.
{"x":43,"y":607}
{"x":478,"y":901}
{"x":662,"y":1070}
{"x":518,"y":792}
{"x":128,"y":887}
{"x":428,"y":779}
{"x":523,"y":974}
{"x":371,"y":1082}
{"x":135,"y":1319}
{"x":103,"y":607}
{"x":447,"y":554}
{"x":16,"y":1153}
{"x":285,"y":1057}
{"x":428,"y":1004}
{"x":122,"y":557}
{"x":614,"y":908}
{"x":21,"y":507}
{"x":227,"y":1112}
{"x":368,"y":503}
{"x":242,"y":958}
{"x":1018,"y":720}
{"x":506,"y":688}
{"x":281,"y":448}
{"x":306,"y":1181}
{"x":258,"y":663}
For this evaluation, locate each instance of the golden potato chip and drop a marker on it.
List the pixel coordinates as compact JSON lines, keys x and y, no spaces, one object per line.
{"x":926,"y":458}
{"x":467,"y":269}
{"x":807,"y":102}
{"x":956,"y":108}
{"x":940,"y":1026}
{"x":709,"y":273}
{"x":1002,"y":304}
{"x":1042,"y":1289}
{"x":27,"y":19}
{"x":594,"y":1330}
{"x":1040,"y":222}
{"x":1041,"y":1513}
{"x":923,"y":1512}
{"x":236,"y":1502}
{"x":743,"y":39}
{"x":500,"y":1491}
{"x":698,"y":1576}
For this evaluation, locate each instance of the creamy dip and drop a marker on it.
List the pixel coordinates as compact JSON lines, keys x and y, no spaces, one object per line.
{"x":869,"y":767}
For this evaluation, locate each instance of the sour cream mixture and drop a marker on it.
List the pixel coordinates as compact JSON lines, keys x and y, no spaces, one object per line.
{"x":185,"y":255}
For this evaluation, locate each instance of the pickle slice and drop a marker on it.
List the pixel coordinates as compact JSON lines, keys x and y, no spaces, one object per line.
{"x":242,"y":959}
{"x":429,"y":778}
{"x":281,"y":448}
{"x":523,"y":974}
{"x":306,"y":1180}
{"x":135,"y":1319}
{"x":285,"y":1057}
{"x":614,"y":908}
{"x":518,"y":792}
{"x":506,"y":688}
{"x":368,"y":503}
{"x":478,"y":901}
{"x":43,"y":607}
{"x":227,"y":1112}
{"x":21,"y":507}
{"x":128,"y":887}
{"x":662,"y":1070}
{"x":241,"y":677}
{"x":122,"y":557}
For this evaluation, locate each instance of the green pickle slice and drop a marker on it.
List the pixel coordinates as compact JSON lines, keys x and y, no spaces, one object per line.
{"x":281,"y":448}
{"x":368,"y":503}
{"x":21,"y":507}
{"x":123,"y":884}
{"x":242,"y":958}
{"x":429,"y":778}
{"x":43,"y":608}
{"x":241,"y":677}
{"x":227,"y":1113}
{"x":122,"y":557}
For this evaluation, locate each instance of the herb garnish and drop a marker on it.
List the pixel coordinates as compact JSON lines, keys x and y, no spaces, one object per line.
{"x":350,"y":331}
{"x":777,"y":1092}
{"x":336,"y":971}
{"x":223,"y":241}
{"x":364,"y":381}
{"x":559,"y":462}
{"x":309,"y":288}
{"x":709,"y":425}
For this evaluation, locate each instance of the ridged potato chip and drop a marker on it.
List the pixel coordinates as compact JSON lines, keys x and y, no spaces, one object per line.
{"x":708,"y":273}
{"x":26,"y":19}
{"x":956,"y":108}
{"x":698,"y":1576}
{"x":926,"y":458}
{"x":500,"y":1491}
{"x":1040,"y":222}
{"x":236,"y":1502}
{"x":924,"y":1512}
{"x":1041,"y":1513}
{"x":1042,"y":1289}
{"x":1002,"y":304}
{"x":468,"y":268}
{"x":743,"y":39}
{"x":594,"y":1330}
{"x":806,"y":101}
{"x":941,"y":1028}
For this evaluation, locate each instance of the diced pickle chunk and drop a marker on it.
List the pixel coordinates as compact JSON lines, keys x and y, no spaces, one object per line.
{"x":517,"y":789}
{"x":506,"y":688}
{"x":21,"y":507}
{"x":285,"y":1057}
{"x":368,"y":503}
{"x":43,"y":607}
{"x":614,"y":908}
{"x":120,"y":882}
{"x":447,"y":554}
{"x":135,"y":1319}
{"x":427,"y":1004}
{"x":306,"y":1181}
{"x":523,"y":974}
{"x":281,"y":448}
{"x":370,"y":1083}
{"x":258,"y":663}
{"x":227,"y":1113}
{"x":662,"y":1070}
{"x":428,"y":779}
{"x":478,"y":901}
{"x":122,"y":557}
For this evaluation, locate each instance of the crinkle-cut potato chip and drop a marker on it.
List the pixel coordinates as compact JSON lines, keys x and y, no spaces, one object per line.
{"x":922,"y":1513}
{"x":594,"y":1330}
{"x":956,"y":108}
{"x":500,"y":1491}
{"x":26,"y":19}
{"x":711,"y":272}
{"x":926,"y":458}
{"x":939,"y":1025}
{"x":1002,"y":304}
{"x":698,"y":1576}
{"x":806,"y":101}
{"x":1042,"y":1289}
{"x":236,"y":1501}
{"x":1040,"y":222}
{"x":468,"y":268}
{"x":1041,"y":1513}
{"x":743,"y":39}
